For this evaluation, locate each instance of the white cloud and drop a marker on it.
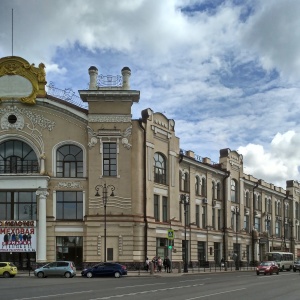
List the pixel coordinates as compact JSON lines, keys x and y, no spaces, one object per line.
{"x":277,"y":164}
{"x":215,"y":72}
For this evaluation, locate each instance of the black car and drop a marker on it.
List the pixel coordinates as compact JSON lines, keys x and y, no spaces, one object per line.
{"x":105,"y":269}
{"x":296,"y":266}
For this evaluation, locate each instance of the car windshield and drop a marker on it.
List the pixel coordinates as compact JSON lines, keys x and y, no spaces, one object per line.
{"x":266,"y":264}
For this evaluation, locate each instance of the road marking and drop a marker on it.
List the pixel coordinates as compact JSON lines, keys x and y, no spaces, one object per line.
{"x":225,"y":292}
{"x":195,"y":279}
{"x":49,"y":296}
{"x":130,"y":286}
{"x":144,"y":292}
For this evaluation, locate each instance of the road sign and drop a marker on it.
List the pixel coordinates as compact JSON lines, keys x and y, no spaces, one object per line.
{"x":171,"y":234}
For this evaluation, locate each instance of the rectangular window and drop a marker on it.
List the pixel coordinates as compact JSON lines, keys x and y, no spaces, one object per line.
{"x":246,"y":223}
{"x":156,"y":207}
{"x":203,"y":216}
{"x":257,"y":224}
{"x":197,"y":215}
{"x":69,"y":205}
{"x":109,"y":159}
{"x":213,"y":218}
{"x":18,"y":205}
{"x":165,"y":209}
{"x":219,"y":219}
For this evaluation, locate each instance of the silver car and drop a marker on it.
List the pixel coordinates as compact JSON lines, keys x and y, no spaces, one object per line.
{"x":57,"y":268}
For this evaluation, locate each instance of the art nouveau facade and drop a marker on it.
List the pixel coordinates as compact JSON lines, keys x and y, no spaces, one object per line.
{"x":59,"y":161}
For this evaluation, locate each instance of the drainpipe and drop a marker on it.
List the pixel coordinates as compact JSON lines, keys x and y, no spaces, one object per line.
{"x":143,"y":125}
{"x":253,"y":221}
{"x":285,"y":198}
{"x":224,"y":219}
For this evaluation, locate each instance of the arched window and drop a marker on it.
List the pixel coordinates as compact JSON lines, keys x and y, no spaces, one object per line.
{"x":203,"y":186}
{"x":69,"y":161}
{"x":17,"y":157}
{"x":259,"y":202}
{"x":186,"y":182}
{"x":160,"y":169}
{"x":286,"y":210}
{"x":247,"y":199}
{"x":234,"y":191}
{"x":279,"y":208}
{"x":268,"y":205}
{"x":219,"y":191}
{"x":197,"y":186}
{"x":213,"y":192}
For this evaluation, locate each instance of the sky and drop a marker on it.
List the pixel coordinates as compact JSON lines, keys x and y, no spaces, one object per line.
{"x":226,"y":71}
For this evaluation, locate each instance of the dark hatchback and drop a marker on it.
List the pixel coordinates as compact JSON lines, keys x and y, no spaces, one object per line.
{"x":105,"y":269}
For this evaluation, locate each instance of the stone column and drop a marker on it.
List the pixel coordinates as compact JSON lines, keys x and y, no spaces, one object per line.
{"x":42,"y":226}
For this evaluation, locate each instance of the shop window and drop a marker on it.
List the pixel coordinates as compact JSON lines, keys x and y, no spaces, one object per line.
{"x":69,"y":248}
{"x":18,"y":205}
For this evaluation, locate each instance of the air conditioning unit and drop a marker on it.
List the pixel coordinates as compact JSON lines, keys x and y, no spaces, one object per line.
{"x":297,"y":222}
{"x":214,"y":203}
{"x":246,"y":212}
{"x":285,"y":220}
{"x":255,"y":213}
{"x":268,"y":218}
{"x":205,"y":201}
{"x":278,"y":218}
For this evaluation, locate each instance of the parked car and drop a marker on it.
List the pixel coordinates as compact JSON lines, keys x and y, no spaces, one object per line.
{"x":57,"y":268}
{"x":105,"y":269}
{"x":267,"y":267}
{"x":296,"y":266}
{"x":8,"y":269}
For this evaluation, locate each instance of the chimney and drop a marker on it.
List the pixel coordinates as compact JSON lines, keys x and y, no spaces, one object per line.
{"x":93,"y":71}
{"x":126,"y":72}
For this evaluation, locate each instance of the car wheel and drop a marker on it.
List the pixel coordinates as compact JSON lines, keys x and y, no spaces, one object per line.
{"x":117,"y":275}
{"x":68,"y":275}
{"x":265,"y":273}
{"x":271,"y":273}
{"x":6,"y":275}
{"x":40,"y":275}
{"x":89,"y":274}
{"x":277,"y":272}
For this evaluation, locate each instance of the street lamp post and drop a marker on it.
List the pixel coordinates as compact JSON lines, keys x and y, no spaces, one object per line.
{"x":184,"y":199}
{"x":193,"y":223}
{"x":236,"y":212}
{"x":104,"y":188}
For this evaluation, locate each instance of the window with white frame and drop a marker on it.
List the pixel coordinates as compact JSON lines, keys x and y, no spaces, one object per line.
{"x":160,"y":169}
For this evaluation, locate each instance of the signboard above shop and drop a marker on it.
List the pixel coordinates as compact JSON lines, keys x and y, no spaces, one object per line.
{"x":18,"y":236}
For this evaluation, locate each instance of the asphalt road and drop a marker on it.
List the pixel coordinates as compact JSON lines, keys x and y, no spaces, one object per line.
{"x":212,"y":286}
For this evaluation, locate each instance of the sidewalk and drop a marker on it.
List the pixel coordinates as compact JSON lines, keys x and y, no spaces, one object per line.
{"x":175,"y":273}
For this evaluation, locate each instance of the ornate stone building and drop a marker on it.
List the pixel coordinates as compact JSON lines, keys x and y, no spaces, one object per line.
{"x":83,"y":181}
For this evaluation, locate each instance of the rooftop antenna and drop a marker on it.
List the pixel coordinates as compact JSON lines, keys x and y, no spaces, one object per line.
{"x":12,"y":32}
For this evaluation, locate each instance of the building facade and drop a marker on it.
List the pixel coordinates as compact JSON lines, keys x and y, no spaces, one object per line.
{"x":85,"y":182}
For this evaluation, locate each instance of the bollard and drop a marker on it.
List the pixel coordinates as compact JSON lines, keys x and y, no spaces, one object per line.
{"x":179,"y":267}
{"x":225,"y":266}
{"x":151,"y":266}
